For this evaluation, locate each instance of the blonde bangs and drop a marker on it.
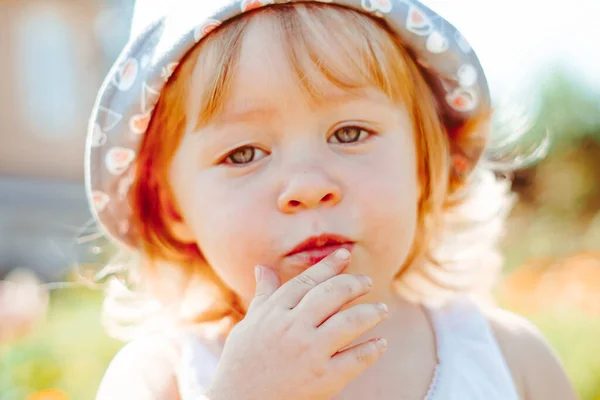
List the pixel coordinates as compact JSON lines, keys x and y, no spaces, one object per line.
{"x":359,"y":53}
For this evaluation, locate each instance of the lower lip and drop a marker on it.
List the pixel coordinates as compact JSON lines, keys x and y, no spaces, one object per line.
{"x":313,"y":256}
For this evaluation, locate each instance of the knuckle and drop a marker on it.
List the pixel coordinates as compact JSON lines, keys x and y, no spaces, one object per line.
{"x":305,"y":280}
{"x":260,"y":293}
{"x":302,"y":346}
{"x":360,"y":283}
{"x":329,"y":264}
{"x":286,"y":326}
{"x":329,"y":287}
{"x":348,"y":286}
{"x":290,"y":330}
{"x":317,"y":368}
{"x":344,"y":284}
{"x":353,"y":320}
{"x":365,"y":354}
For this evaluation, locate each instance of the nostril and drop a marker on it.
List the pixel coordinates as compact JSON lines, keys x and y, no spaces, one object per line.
{"x":327,"y":198}
{"x":294,"y":203}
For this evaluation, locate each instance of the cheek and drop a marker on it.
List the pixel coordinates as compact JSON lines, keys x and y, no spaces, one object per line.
{"x":388,"y":197}
{"x":230,"y":230}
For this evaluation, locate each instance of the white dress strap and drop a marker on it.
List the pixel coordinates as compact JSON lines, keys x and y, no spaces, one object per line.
{"x":471,"y":364}
{"x":196,"y":367}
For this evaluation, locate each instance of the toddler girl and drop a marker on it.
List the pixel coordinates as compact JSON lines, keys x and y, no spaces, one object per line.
{"x":298,"y":188}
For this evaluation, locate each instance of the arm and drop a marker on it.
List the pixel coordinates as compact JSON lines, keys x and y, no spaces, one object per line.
{"x":142,"y":370}
{"x":535,"y":367}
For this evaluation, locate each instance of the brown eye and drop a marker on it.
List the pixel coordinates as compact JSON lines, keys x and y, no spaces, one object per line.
{"x":244,"y":155}
{"x":350,"y":134}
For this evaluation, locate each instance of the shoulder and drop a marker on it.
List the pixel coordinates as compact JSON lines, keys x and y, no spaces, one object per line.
{"x":535,"y":367}
{"x":142,"y":369}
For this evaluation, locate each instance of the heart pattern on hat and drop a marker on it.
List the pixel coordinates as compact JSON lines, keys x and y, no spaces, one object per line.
{"x":467,"y":75}
{"x":462,"y":99}
{"x":418,"y":23}
{"x":98,"y":137}
{"x":118,"y":159}
{"x":126,"y":75}
{"x":206,"y":28}
{"x":139,"y":123}
{"x":249,"y":5}
{"x":384,"y":6}
{"x":437,"y":43}
{"x":100,"y":200}
{"x":149,"y":97}
{"x":110,"y":118}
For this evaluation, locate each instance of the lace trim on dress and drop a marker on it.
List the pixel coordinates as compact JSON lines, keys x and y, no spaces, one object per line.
{"x":437,"y":374}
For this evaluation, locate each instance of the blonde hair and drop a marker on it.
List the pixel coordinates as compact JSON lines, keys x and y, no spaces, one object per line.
{"x":460,"y":220}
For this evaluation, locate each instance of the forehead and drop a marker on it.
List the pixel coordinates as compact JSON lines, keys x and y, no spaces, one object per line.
{"x":262,"y":62}
{"x":271,"y":70}
{"x":270,"y":67}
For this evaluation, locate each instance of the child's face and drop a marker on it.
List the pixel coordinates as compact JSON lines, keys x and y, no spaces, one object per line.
{"x":345,"y":166}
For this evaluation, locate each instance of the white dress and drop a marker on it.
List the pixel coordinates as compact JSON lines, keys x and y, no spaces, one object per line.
{"x":471,"y":365}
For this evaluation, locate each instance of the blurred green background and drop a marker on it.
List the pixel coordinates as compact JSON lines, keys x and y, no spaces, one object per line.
{"x":59,"y":52}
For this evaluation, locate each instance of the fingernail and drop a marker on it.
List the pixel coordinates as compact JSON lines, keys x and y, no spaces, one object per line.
{"x":383,"y":307}
{"x":342,"y":254}
{"x":258,"y":273}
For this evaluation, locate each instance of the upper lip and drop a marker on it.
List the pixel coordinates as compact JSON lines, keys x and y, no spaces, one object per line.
{"x":326,"y":239}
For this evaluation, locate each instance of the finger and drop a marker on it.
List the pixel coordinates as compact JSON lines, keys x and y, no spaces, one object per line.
{"x":330,"y":296}
{"x":353,"y":361}
{"x":296,"y":288}
{"x":267,"y":282}
{"x":346,"y":326}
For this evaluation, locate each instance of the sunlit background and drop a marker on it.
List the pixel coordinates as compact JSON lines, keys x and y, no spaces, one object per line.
{"x":543,"y":57}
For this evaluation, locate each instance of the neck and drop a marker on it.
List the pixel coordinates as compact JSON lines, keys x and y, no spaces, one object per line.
{"x":407,"y":323}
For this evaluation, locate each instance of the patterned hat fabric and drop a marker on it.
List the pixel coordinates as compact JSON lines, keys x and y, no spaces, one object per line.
{"x":125,"y":102}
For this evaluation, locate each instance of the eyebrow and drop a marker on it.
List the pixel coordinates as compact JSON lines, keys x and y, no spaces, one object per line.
{"x":253,"y":109}
{"x":249,"y":111}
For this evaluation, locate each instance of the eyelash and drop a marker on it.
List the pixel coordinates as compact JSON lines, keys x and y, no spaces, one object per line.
{"x":360,"y":132}
{"x":254,"y":149}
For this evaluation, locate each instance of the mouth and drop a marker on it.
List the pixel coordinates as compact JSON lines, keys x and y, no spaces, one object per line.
{"x":316,"y":248}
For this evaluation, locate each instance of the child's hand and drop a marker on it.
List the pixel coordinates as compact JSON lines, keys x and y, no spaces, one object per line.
{"x":290,"y":344}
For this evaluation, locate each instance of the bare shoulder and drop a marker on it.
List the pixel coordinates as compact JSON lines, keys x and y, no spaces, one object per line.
{"x":142,"y":369}
{"x":535,"y":367}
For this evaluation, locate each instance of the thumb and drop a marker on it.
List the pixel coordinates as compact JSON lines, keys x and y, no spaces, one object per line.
{"x":267,"y":282}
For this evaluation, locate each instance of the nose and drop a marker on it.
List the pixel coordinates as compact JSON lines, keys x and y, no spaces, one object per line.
{"x":308,"y":189}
